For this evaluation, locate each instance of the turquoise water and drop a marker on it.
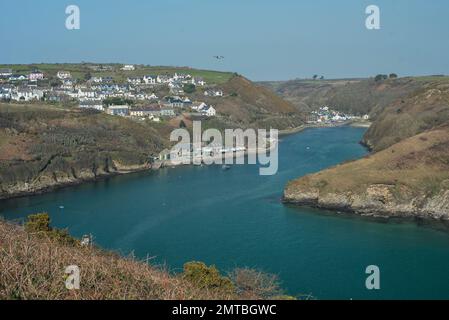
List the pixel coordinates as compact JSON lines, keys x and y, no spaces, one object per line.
{"x":235,"y":218}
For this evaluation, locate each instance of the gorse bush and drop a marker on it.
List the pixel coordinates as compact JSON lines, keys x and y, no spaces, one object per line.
{"x":40,"y":225}
{"x":207,"y":277}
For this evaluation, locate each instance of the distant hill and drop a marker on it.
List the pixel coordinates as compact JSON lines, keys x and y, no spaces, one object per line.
{"x":408,"y":173}
{"x":354,"y":96}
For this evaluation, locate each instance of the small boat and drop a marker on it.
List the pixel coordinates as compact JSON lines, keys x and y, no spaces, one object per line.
{"x":225,"y":167}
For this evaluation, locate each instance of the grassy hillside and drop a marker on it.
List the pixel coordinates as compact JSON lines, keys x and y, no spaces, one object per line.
{"x":409,"y":172}
{"x":355,"y":96}
{"x":426,"y":108}
{"x":33,"y":260}
{"x":43,"y":146}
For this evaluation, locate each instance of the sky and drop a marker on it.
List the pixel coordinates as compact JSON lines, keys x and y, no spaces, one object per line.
{"x":260,"y":39}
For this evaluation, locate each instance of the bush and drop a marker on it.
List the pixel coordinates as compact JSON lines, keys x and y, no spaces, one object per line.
{"x":207,"y":277}
{"x":189,"y":88}
{"x":252,"y":283}
{"x":40,"y":224}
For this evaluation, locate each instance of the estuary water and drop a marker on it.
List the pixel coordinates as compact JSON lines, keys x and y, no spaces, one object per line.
{"x":235,"y":218}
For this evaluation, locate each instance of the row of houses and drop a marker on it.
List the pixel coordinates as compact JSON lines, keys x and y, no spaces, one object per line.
{"x":32,"y":76}
{"x":170,"y":80}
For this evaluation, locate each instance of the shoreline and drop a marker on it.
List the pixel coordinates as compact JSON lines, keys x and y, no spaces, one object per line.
{"x":152,"y":166}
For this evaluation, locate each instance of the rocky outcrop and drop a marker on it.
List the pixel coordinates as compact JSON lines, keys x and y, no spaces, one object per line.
{"x":410,"y":178}
{"x":54,"y":180}
{"x":376,"y":200}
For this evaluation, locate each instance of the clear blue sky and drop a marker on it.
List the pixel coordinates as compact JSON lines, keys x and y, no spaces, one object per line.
{"x":261,"y":39}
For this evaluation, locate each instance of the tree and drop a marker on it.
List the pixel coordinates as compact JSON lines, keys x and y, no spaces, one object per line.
{"x":393,"y":75}
{"x":380,"y":77}
{"x":189,"y":88}
{"x":207,"y":277}
{"x":315,"y":76}
{"x":182,"y":124}
{"x":87,"y":76}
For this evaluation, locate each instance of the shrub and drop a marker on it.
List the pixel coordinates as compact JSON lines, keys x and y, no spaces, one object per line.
{"x":40,"y":223}
{"x":207,"y":277}
{"x":189,"y":88}
{"x":251,"y":283}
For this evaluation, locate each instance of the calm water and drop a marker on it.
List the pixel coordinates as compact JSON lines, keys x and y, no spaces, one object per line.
{"x":235,"y":218}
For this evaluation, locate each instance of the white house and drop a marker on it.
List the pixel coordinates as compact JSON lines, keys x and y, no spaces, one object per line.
{"x":17,"y":77}
{"x":5,"y":94}
{"x":5,"y":73}
{"x":198,"y":107}
{"x":120,"y":110}
{"x":36,"y":75}
{"x":128,"y":67}
{"x":199,"y":81}
{"x":150,"y":79}
{"x":63,"y":75}
{"x":26,"y":94}
{"x":134,"y":80}
{"x":152,"y":97}
{"x":213,"y":93}
{"x":164,"y":79}
{"x":208,"y":111}
{"x":92,"y":104}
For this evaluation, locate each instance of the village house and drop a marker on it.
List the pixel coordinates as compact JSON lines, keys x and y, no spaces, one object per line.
{"x":118,"y":110}
{"x":63,"y":75}
{"x":56,"y":96}
{"x":213,"y":93}
{"x":128,"y":67}
{"x":147,"y":111}
{"x":167,"y":111}
{"x":208,"y":111}
{"x":198,"y":107}
{"x":174,"y":102}
{"x":36,"y":75}
{"x":135,"y":80}
{"x":17,"y":77}
{"x":92,"y":104}
{"x":163,"y":79}
{"x":5,"y":93}
{"x":107,"y":79}
{"x":27,"y":94}
{"x":152,"y":97}
{"x":199,"y":81}
{"x":150,"y":79}
{"x":5,"y":73}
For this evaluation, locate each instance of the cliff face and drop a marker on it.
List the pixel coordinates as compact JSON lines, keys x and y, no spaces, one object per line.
{"x":408,"y":175}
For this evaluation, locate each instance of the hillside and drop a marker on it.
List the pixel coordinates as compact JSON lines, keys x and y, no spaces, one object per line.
{"x":408,"y":173}
{"x":33,"y":260}
{"x":44,"y":145}
{"x":354,"y":96}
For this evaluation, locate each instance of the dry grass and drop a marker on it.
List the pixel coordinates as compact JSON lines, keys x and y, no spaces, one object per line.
{"x":32,"y":267}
